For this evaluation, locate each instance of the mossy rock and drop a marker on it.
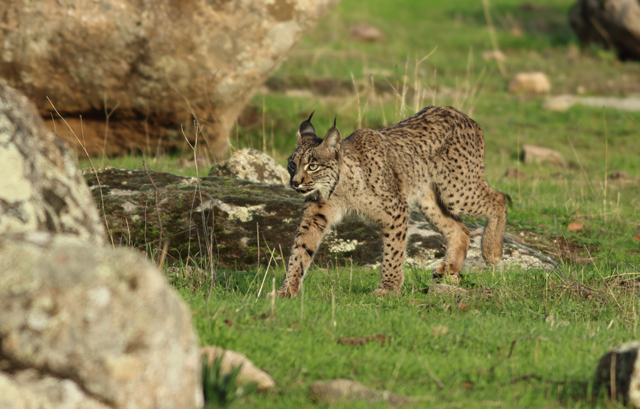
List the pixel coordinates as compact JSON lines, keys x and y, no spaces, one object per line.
{"x":224,"y":217}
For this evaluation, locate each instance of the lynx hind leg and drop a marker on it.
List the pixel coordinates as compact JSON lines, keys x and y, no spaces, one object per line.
{"x":454,"y":231}
{"x":495,"y":206}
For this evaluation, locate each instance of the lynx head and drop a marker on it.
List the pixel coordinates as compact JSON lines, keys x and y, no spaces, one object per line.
{"x":315,"y":165}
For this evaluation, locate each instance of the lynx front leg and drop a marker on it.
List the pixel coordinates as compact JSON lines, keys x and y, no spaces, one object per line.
{"x":394,"y":238}
{"x":317,"y":216}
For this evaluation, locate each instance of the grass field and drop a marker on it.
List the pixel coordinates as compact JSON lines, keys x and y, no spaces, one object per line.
{"x":518,"y":338}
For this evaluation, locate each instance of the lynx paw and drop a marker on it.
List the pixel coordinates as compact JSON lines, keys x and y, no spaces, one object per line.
{"x":444,"y":269}
{"x":491,"y":257}
{"x":279,"y":294}
{"x":444,"y":274}
{"x":383,"y":292}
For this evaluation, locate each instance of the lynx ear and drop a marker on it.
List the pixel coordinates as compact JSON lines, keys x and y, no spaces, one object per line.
{"x":331,"y":141}
{"x":306,"y":128}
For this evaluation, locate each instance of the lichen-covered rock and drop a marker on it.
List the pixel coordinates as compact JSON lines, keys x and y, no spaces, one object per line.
{"x":30,"y":389}
{"x":249,"y":373}
{"x":252,"y":165}
{"x":92,"y":325}
{"x":610,"y":24}
{"x":623,"y":360}
{"x":236,"y":212}
{"x":160,"y":62}
{"x":41,"y":187}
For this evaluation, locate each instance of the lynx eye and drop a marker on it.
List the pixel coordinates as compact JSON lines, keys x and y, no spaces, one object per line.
{"x":291,"y":166}
{"x":313,"y":167}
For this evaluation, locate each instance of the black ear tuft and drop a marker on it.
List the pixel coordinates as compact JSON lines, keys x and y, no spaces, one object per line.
{"x":335,"y":119}
{"x":306,"y":127}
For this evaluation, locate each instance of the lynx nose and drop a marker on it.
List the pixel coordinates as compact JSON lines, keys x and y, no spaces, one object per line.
{"x":295,"y":184}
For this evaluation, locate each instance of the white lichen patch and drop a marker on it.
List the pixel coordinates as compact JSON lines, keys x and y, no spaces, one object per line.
{"x":99,"y":296}
{"x":189,"y":181}
{"x":129,"y":207}
{"x":342,"y":246}
{"x":14,"y":186}
{"x":287,"y":220}
{"x":121,"y":192}
{"x":242,"y":213}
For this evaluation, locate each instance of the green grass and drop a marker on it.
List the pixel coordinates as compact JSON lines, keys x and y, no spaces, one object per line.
{"x":476,"y":361}
{"x":509,"y":329}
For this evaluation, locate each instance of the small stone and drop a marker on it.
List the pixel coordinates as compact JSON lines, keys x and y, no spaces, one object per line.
{"x":530,"y":83}
{"x":560,"y":103}
{"x":514,"y":174}
{"x":337,"y":390}
{"x":623,"y":359}
{"x":540,"y":155}
{"x":446,"y":289}
{"x":618,"y":175}
{"x":249,"y":373}
{"x":494,"y":55}
{"x":365,"y":33}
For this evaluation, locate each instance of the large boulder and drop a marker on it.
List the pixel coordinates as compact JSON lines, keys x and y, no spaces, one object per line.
{"x":618,"y":371}
{"x":613,"y":24}
{"x":41,"y":187}
{"x":232,"y":214}
{"x":91,"y":327}
{"x":158,"y":63}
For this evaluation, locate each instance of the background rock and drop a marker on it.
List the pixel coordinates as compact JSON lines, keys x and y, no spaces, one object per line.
{"x":249,"y":373}
{"x":529,"y":83}
{"x":511,"y":173}
{"x":92,"y":325}
{"x":253,"y":165}
{"x":41,"y":187}
{"x":540,"y":154}
{"x":338,"y":390}
{"x":160,"y":62}
{"x":627,"y":373}
{"x":235,"y":211}
{"x":612,"y":24}
{"x":618,"y":175}
{"x":366,"y":33}
{"x":564,"y":102}
{"x":494,"y":55}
